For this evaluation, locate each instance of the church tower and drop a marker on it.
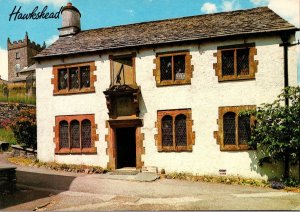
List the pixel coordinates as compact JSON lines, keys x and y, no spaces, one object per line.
{"x":20,"y":56}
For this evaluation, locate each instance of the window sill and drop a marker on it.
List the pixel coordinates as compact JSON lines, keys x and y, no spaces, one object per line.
{"x":66,"y":151}
{"x":177,"y":149}
{"x":74,"y":91}
{"x":235,"y":148}
{"x":223,"y":79}
{"x":171,"y":83}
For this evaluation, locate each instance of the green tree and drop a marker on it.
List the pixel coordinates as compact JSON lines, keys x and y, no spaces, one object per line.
{"x":276,"y":133}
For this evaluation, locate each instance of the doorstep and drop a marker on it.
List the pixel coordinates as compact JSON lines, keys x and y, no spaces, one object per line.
{"x":131,"y":174}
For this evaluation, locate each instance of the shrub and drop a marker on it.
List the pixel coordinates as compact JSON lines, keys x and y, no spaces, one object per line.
{"x":24,"y":128}
{"x":276,"y":134}
{"x":290,"y":182}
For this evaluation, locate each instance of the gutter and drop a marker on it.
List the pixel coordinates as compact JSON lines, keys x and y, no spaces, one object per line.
{"x":286,"y":44}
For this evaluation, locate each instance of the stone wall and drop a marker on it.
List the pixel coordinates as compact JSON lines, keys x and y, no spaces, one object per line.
{"x":11,"y":110}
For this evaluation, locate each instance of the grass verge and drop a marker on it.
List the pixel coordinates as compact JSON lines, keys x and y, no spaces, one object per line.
{"x":8,"y":136}
{"x":16,"y":94}
{"x":230,"y":180}
{"x":18,"y":99}
{"x":57,"y":166}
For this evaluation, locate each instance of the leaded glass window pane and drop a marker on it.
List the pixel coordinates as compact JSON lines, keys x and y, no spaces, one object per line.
{"x":63,"y":134}
{"x":244,"y":129}
{"x":167,"y":131}
{"x":179,"y":67}
{"x":75,"y":134}
{"x":62,"y":79}
{"x":165,"y":68}
{"x":229,"y":128}
{"x":228,"y":62}
{"x":85,"y":77}
{"x":74,"y":78}
{"x":86,"y":134}
{"x":242,"y":61}
{"x":180,"y":130}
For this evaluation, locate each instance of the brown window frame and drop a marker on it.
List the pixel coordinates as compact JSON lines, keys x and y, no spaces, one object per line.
{"x":67,"y":91}
{"x":220,"y":137}
{"x":190,"y":135}
{"x":252,"y":63}
{"x":188,"y":69}
{"x":81,"y":150}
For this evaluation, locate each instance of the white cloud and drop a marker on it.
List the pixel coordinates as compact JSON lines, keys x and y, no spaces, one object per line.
{"x":56,"y":3}
{"x":230,"y":5}
{"x":209,"y":8}
{"x":288,"y":9}
{"x":227,"y":5}
{"x":51,"y":40}
{"x":24,"y":1}
{"x":131,"y":12}
{"x":260,"y":2}
{"x":3,"y":64}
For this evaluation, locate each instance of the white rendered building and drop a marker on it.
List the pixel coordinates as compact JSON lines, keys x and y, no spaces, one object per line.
{"x":162,"y":93}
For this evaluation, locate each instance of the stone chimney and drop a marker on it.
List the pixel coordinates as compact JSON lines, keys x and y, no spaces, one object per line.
{"x":70,"y":21}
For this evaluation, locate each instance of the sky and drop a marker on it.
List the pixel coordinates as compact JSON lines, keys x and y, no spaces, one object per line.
{"x":103,"y":13}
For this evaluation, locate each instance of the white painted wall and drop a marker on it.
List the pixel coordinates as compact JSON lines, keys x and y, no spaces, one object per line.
{"x":203,"y":96}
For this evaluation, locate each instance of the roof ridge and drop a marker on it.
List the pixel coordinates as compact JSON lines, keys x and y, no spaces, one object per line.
{"x":177,"y":18}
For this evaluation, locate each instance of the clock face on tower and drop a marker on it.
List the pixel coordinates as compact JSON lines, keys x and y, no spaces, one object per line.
{"x":17,"y":67}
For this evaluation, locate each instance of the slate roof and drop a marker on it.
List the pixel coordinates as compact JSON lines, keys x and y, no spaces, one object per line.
{"x":218,"y":25}
{"x":30,"y":68}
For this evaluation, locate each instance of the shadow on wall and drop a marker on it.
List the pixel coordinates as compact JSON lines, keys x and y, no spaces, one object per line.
{"x":270,"y":170}
{"x":143,"y":109}
{"x":40,"y":180}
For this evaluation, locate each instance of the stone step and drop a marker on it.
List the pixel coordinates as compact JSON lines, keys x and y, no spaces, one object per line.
{"x":126,"y":171}
{"x":150,"y":169}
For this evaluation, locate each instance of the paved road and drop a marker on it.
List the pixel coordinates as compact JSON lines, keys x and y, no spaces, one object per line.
{"x":51,"y":190}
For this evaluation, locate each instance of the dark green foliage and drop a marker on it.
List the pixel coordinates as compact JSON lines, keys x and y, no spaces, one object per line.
{"x":276,"y":133}
{"x":290,"y":182}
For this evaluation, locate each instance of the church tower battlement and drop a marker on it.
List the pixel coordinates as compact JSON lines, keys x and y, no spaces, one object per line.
{"x":20,"y":55}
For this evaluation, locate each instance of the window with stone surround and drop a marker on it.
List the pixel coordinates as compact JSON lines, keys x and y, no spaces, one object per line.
{"x":236,"y":62}
{"x":234,"y":129}
{"x":74,"y":78}
{"x":173,"y":68}
{"x":75,"y":134}
{"x":175,"y":130}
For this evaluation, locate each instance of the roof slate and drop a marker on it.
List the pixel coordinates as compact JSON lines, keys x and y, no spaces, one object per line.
{"x":257,"y":20}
